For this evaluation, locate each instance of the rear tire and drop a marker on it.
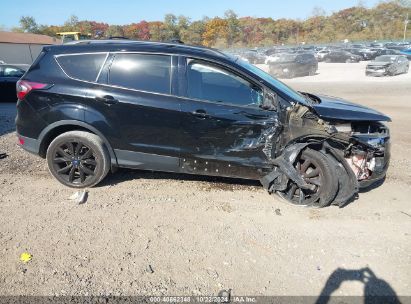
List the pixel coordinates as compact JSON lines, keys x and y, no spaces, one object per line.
{"x":78,"y":159}
{"x":317,"y":170}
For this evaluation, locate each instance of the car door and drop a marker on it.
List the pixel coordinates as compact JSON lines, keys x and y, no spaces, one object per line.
{"x":226,"y":132}
{"x":135,"y":93}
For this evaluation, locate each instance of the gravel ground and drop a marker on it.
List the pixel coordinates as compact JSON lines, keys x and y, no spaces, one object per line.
{"x":143,"y":233}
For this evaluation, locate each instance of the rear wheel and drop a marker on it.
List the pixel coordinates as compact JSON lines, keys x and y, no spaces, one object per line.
{"x":78,"y":159}
{"x":316,"y":170}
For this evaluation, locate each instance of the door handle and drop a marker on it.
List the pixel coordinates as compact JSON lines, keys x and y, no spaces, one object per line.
{"x":200,"y":113}
{"x":107,"y":99}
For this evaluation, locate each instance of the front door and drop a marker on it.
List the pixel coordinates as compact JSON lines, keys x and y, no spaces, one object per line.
{"x":225,"y":130}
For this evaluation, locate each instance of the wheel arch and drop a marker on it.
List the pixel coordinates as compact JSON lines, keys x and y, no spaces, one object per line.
{"x":334,"y":150}
{"x":57,"y":128}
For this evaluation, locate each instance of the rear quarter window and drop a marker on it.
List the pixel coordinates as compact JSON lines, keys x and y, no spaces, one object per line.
{"x":82,"y":66}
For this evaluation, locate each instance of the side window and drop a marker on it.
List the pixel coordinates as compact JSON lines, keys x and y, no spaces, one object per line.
{"x":209,"y":82}
{"x":12,"y":72}
{"x":82,"y":66}
{"x":142,"y":72}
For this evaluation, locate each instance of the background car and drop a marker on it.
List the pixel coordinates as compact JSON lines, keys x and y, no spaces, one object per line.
{"x":387,"y":65}
{"x":254,"y":57}
{"x":359,"y":52}
{"x":406,"y":53}
{"x":389,"y":52}
{"x":292,"y":65}
{"x":320,"y":54}
{"x":341,"y":56}
{"x":9,"y":75}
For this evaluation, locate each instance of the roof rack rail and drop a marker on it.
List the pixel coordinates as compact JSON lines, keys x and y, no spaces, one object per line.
{"x":128,"y":41}
{"x":118,"y":38}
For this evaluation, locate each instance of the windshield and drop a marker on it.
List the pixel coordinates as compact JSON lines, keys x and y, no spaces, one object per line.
{"x":273,"y":81}
{"x":385,"y":59}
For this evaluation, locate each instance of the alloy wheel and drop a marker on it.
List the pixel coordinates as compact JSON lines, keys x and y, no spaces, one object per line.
{"x":312,"y":174}
{"x":74,"y":162}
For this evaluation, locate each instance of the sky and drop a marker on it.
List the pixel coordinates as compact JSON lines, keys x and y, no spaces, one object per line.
{"x":124,"y":12}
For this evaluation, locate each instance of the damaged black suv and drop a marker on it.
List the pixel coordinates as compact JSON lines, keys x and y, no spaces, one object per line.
{"x":93,"y":106}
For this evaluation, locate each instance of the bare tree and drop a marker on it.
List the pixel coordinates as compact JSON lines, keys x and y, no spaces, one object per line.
{"x":318,"y":11}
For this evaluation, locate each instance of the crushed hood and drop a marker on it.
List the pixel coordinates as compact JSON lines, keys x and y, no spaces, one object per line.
{"x":339,"y":109}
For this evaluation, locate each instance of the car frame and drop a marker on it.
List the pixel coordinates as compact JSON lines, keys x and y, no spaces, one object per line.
{"x":81,"y":107}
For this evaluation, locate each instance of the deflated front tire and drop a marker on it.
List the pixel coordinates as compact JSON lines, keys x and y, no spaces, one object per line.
{"x":317,"y":170}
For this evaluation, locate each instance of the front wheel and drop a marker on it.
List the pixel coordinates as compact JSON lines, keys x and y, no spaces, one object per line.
{"x":78,"y":159}
{"x":317,"y":171}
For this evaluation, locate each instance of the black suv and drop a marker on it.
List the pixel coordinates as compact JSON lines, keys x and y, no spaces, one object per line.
{"x":98,"y":105}
{"x":292,"y":65}
{"x":342,"y":56}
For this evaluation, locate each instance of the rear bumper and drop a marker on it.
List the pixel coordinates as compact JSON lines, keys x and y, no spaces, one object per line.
{"x":29,"y":144}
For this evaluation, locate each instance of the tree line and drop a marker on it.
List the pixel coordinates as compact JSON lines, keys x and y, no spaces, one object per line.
{"x":385,"y":21}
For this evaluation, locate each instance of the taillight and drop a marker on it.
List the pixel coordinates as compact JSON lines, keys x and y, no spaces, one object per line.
{"x":23,"y":87}
{"x":21,"y":140}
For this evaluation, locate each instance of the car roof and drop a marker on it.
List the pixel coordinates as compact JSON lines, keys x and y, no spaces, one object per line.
{"x":117,"y":45}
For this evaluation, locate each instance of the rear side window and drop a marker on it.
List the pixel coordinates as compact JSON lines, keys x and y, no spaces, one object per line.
{"x":82,"y":66}
{"x":143,"y":72}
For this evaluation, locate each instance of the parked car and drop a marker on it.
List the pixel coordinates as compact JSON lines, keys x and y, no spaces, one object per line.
{"x":377,"y":45}
{"x":292,"y":65}
{"x":254,"y":57}
{"x":358,"y":46}
{"x":341,"y":56}
{"x":389,"y":52}
{"x":359,"y":52}
{"x":321,"y":54}
{"x":406,"y":53}
{"x":398,"y":46}
{"x":9,"y":75}
{"x":387,"y":65}
{"x":99,"y":105}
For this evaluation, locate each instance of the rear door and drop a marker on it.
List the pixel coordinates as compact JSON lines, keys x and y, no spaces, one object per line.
{"x":136,"y":96}
{"x":225,"y":130}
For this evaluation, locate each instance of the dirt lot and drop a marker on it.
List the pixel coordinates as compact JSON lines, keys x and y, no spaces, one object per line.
{"x":143,"y":233}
